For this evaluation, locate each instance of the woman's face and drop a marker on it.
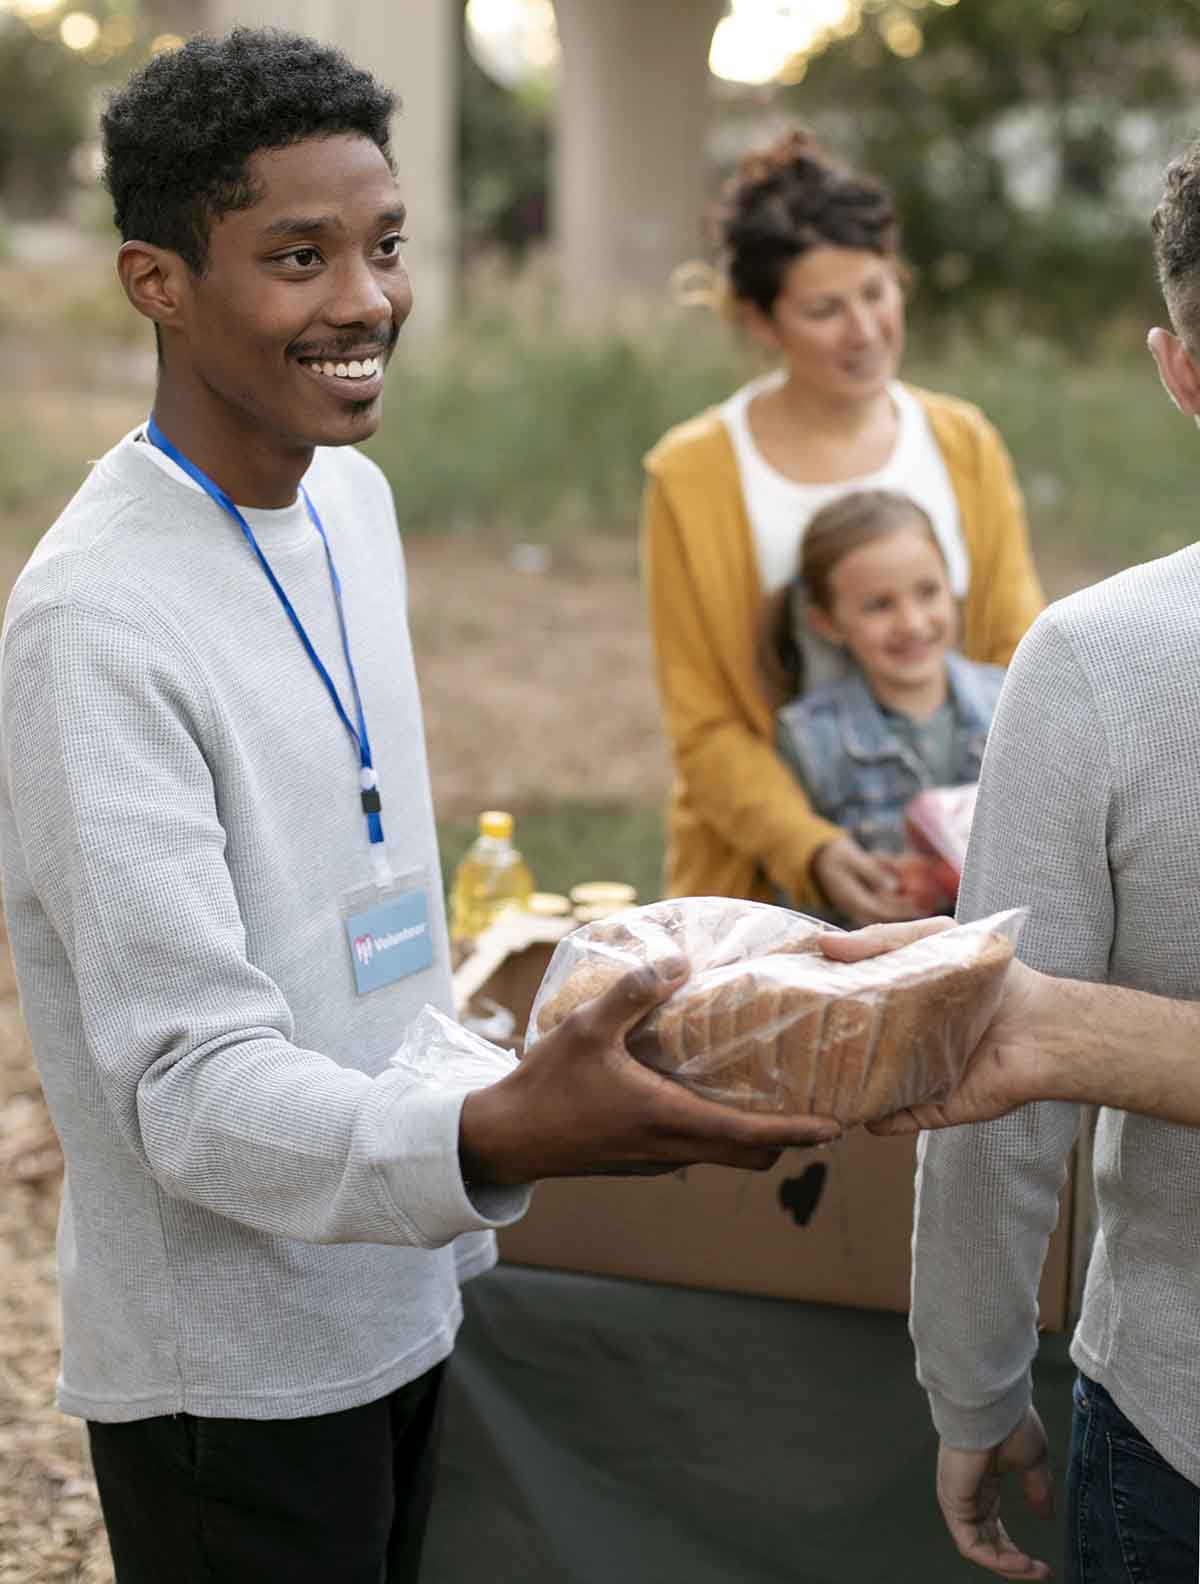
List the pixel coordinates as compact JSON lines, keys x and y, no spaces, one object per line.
{"x":838,"y":322}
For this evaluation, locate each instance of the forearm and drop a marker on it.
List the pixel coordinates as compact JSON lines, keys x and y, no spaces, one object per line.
{"x":1105,"y":1045}
{"x":987,"y":1203}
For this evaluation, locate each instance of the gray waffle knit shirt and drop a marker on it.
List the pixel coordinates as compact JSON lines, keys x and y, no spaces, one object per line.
{"x":1089,"y":813}
{"x":257,"y":1206}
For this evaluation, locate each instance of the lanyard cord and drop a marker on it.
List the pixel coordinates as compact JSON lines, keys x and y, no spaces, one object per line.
{"x":368,"y":780}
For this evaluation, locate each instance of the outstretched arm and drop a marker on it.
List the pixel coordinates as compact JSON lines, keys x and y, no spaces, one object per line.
{"x":1056,"y":1039}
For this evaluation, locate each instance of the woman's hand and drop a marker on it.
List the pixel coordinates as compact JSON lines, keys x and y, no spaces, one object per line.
{"x":863,"y":886}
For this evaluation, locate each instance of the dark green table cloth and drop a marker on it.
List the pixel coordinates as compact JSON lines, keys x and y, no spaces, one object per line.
{"x":614,"y":1432}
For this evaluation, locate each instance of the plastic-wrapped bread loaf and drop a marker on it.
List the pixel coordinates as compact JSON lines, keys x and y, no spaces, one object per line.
{"x":722,"y":931}
{"x":766,"y":1022}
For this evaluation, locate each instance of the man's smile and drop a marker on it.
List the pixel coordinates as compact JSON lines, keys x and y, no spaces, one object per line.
{"x":360,"y":377}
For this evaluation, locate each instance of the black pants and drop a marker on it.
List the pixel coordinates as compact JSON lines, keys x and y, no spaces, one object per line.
{"x":341,"y":1498}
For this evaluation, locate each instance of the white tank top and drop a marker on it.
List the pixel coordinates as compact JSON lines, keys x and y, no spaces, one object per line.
{"x":780,"y":509}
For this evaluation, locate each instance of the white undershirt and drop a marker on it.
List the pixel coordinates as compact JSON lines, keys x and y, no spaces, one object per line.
{"x":277,"y":528}
{"x":780,"y":509}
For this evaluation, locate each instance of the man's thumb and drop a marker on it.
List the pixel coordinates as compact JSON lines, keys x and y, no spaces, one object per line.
{"x":638,"y":992}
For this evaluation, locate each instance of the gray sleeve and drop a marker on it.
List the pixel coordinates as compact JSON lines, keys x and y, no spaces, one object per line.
{"x":987,"y":1196}
{"x":191,"y":1043}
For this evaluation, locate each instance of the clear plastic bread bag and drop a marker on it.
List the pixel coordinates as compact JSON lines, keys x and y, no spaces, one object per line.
{"x":766,"y":1022}
{"x":440,"y":1053}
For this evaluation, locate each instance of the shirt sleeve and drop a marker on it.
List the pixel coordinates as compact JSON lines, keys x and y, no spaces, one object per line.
{"x":190,"y":1042}
{"x":987,"y":1196}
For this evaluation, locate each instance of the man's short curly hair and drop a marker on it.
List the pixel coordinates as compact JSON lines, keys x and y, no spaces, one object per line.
{"x":787,"y":198}
{"x":1175,"y":227}
{"x":178,"y":137}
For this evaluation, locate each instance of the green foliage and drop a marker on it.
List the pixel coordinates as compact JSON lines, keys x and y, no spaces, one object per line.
{"x":1082,"y":98}
{"x":520,"y":428}
{"x":503,"y":160}
{"x":49,"y":95}
{"x":43,"y":115}
{"x":576,"y":841}
{"x":517,"y":430}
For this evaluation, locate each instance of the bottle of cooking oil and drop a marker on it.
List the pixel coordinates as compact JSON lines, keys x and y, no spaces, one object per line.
{"x":492,"y":879}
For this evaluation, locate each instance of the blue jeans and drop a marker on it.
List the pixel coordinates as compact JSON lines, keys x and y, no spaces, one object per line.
{"x":1131,"y":1517}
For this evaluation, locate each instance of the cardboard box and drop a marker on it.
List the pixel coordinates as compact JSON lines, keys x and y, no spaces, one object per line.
{"x":825,"y":1226}
{"x":506,"y":968}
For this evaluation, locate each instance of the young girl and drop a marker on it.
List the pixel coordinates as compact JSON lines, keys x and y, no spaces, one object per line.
{"x":909,"y":712}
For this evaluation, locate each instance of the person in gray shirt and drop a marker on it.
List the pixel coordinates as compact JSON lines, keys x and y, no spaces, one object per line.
{"x":220,"y":876}
{"x":1098,"y":718}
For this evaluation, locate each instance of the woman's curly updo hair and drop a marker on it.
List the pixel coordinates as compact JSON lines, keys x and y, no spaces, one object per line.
{"x":1175,"y":227}
{"x":787,"y":198}
{"x":179,"y":136}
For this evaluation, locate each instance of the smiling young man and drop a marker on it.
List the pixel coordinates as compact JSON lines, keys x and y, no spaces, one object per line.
{"x":214,"y":785}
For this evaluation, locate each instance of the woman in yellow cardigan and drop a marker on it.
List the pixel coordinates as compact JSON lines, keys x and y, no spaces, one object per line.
{"x":813,"y":268}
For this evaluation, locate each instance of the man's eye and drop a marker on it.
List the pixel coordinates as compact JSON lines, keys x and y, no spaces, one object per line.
{"x":304,"y":258}
{"x":391,"y":245}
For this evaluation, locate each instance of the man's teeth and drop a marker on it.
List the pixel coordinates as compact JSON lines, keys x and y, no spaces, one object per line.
{"x":352,"y":370}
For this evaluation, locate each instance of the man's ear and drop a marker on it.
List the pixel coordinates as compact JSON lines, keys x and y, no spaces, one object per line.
{"x":1176,"y":369}
{"x":155,"y":280}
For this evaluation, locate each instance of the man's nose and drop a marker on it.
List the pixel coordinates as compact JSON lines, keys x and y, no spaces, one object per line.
{"x":361,"y":297}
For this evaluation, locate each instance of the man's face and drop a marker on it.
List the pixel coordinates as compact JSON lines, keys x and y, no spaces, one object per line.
{"x":287,"y":331}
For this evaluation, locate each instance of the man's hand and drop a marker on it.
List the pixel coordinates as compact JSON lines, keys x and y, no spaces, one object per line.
{"x":1004,"y":1070}
{"x":862,"y":886}
{"x":579,"y":1104}
{"x":968,"y":1492}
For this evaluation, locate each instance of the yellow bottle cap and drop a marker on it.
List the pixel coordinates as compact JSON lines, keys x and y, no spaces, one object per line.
{"x":608,"y":894}
{"x":496,"y":822}
{"x":548,"y":904}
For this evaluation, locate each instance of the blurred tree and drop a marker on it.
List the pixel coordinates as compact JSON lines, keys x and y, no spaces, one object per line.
{"x":54,"y":61}
{"x":504,"y":162}
{"x":1023,"y":140}
{"x":44,"y":109}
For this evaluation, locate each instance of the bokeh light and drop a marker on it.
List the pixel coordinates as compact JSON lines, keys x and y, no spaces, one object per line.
{"x":771,"y":41}
{"x":514,"y":41}
{"x":32,"y":10}
{"x":79,"y":30}
{"x":901,"y":35}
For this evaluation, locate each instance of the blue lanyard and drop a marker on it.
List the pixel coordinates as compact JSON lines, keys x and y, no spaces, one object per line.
{"x":368,"y":780}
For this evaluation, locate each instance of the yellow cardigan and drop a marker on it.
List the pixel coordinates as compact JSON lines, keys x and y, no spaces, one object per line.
{"x":739,"y":825}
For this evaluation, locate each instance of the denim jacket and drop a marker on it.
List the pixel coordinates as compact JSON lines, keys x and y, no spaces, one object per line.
{"x":856,"y":772}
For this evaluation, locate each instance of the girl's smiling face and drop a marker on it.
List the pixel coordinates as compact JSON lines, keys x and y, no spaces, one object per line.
{"x":891,"y":607}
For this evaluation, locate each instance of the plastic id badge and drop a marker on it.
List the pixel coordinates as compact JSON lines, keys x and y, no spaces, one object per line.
{"x":388,"y":931}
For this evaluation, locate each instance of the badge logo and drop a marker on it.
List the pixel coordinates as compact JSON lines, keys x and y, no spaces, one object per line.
{"x":364,"y":948}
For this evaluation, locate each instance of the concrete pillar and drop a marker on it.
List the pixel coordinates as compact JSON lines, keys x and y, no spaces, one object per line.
{"x":412,"y":46}
{"x":630,"y":179}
